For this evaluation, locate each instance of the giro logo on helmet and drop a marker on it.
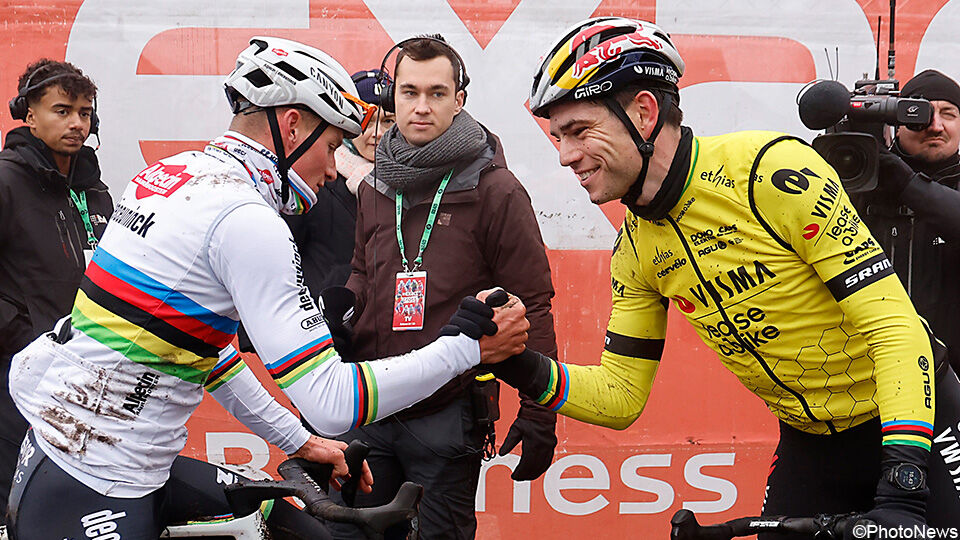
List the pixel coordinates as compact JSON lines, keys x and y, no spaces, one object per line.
{"x":593,"y":90}
{"x":279,"y":52}
{"x":611,"y":49}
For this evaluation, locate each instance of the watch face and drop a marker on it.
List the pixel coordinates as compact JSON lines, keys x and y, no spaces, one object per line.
{"x":908,"y":476}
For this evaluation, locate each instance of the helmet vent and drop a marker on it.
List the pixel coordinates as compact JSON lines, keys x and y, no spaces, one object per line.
{"x":261,"y":45}
{"x":290,"y":70}
{"x":257,"y":78}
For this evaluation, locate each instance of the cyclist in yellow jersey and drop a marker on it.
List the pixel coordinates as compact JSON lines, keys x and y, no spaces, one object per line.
{"x":751,"y":236}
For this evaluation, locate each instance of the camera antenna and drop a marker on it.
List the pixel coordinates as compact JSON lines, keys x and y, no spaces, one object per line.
{"x":876,"y":75}
{"x":891,"y":54}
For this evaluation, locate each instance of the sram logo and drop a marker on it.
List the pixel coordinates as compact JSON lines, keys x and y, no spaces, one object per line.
{"x":160,"y":179}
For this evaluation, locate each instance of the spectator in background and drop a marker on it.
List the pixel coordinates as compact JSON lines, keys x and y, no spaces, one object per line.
{"x":484,"y":234}
{"x":325,"y":235}
{"x":53,"y":208}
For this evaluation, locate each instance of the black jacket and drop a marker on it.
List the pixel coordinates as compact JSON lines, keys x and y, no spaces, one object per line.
{"x":325,"y":236}
{"x":919,"y":229}
{"x":42,"y":236}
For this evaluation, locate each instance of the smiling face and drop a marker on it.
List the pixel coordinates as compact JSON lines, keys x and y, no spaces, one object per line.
{"x":426,"y":98}
{"x":62,"y":122}
{"x":939,"y":140}
{"x":597,"y":147}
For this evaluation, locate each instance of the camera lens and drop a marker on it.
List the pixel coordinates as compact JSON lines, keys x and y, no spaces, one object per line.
{"x":848,"y":160}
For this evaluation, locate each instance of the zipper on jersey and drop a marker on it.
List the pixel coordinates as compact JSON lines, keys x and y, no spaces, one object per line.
{"x":743,"y":343}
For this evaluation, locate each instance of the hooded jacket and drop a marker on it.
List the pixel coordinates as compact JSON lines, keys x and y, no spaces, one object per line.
{"x":42,"y":237}
{"x":486,"y":235}
{"x":917,"y":230}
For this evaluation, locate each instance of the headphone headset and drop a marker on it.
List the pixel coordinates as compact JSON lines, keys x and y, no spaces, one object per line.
{"x":19,"y":104}
{"x":387,"y":99}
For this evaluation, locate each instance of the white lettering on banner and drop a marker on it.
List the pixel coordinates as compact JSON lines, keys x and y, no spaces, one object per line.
{"x":630,"y":478}
{"x":599,"y":479}
{"x":696,"y":478}
{"x":521,"y":490}
{"x":554,"y":485}
{"x":218,"y":442}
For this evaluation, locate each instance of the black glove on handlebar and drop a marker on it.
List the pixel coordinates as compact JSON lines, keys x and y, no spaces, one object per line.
{"x":473,"y":318}
{"x":536,"y":428}
{"x":336,"y":304}
{"x":894,"y":505}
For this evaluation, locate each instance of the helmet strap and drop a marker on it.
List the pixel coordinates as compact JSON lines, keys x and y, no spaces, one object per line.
{"x":283,"y":162}
{"x":645,"y":147}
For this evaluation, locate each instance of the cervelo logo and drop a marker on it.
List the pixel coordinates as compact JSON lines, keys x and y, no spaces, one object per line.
{"x":160,"y":179}
{"x":611,"y":49}
{"x":101,"y":525}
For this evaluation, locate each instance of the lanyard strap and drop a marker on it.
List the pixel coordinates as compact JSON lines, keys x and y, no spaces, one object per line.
{"x":431,"y":218}
{"x":81,"y":202}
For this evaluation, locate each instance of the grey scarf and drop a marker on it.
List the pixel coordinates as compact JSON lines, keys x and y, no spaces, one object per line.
{"x":404,"y":166}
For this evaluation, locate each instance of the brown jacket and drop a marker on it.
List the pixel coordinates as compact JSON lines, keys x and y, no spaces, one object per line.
{"x":486,"y":235}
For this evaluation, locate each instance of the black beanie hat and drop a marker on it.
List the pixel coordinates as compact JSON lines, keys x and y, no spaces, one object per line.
{"x":933,"y":86}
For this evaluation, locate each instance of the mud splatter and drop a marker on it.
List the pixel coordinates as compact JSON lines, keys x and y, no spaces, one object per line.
{"x":75,"y":432}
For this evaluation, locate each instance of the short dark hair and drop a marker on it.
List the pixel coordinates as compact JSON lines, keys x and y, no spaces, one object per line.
{"x":68,"y":77}
{"x":674,"y":116}
{"x":425,"y":47}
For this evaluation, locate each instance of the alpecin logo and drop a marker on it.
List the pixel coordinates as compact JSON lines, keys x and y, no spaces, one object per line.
{"x":160,"y":179}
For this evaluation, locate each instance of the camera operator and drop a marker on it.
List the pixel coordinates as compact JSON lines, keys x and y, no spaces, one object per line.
{"x":915,"y":212}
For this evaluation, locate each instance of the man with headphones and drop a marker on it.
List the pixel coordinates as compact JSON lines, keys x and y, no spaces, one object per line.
{"x":53,"y":209}
{"x":441,"y":215}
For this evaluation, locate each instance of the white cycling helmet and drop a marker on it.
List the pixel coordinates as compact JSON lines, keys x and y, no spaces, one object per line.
{"x":274,"y":72}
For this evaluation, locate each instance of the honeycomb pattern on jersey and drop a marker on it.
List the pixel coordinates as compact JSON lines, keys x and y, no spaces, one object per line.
{"x":825,"y":372}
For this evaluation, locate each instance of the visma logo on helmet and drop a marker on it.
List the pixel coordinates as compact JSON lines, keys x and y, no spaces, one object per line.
{"x":666,"y":73}
{"x":592,"y":90}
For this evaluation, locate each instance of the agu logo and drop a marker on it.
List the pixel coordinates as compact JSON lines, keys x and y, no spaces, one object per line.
{"x":810,"y":231}
{"x":684,"y":305}
{"x":160,"y":179}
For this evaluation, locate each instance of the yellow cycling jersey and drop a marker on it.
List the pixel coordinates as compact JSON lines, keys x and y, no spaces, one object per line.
{"x":768,"y":260}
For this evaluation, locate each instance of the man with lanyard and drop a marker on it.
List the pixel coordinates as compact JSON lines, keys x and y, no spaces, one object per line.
{"x":751,"y":236}
{"x":53,"y":208}
{"x":442,"y":215}
{"x":195,"y":244}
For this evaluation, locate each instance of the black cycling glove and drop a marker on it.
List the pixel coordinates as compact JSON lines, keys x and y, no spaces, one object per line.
{"x":901,"y":499}
{"x":536,"y":428}
{"x":336,"y":304}
{"x":473,"y":318}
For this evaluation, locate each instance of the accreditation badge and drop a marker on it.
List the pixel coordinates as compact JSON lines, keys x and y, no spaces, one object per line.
{"x":409,"y":301}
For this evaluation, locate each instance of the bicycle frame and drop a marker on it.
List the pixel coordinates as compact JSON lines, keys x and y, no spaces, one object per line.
{"x":252,"y":527}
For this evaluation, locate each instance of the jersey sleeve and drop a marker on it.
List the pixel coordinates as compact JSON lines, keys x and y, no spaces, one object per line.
{"x":235,"y":387}
{"x":251,"y":252}
{"x":800,"y":201}
{"x":614,"y":393}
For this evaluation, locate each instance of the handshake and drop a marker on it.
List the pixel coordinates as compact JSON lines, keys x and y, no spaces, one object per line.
{"x":496,"y":319}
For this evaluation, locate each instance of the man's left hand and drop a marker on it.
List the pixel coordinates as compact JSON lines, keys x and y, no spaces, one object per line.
{"x":320,"y":450}
{"x":536,"y":427}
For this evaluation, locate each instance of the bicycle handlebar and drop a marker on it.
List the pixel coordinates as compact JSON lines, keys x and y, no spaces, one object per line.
{"x":685,"y":526}
{"x":307,"y":481}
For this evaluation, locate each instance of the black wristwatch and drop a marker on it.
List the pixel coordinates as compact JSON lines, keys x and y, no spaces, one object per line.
{"x":907,"y":476}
